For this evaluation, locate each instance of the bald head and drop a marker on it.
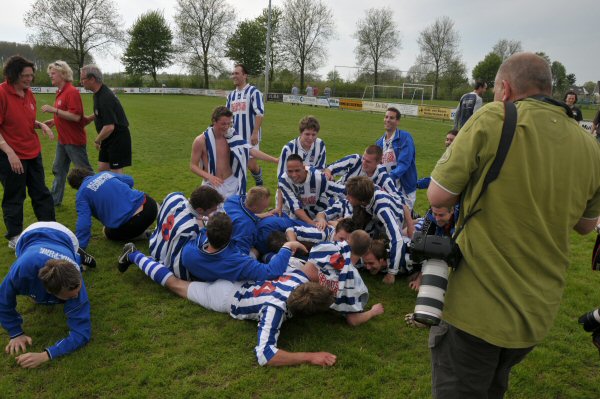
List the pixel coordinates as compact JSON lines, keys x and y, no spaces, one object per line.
{"x":527,"y":74}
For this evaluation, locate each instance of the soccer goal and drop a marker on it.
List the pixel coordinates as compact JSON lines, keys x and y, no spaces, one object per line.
{"x":414,"y":92}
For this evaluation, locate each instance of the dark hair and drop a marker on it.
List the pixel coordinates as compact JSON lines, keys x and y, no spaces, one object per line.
{"x":310,"y":298}
{"x":375,"y":150}
{"x":218,"y":230}
{"x":13,"y":67}
{"x":205,"y":197}
{"x":309,"y":122}
{"x":346,"y":224}
{"x":361,"y":188}
{"x":219,"y":112}
{"x":76,"y":176}
{"x":453,"y":132}
{"x":294,"y":157}
{"x":360,"y":242}
{"x":570,"y":93}
{"x":276,"y":240}
{"x":58,"y":275}
{"x":479,"y":83}
{"x":394,"y":109}
{"x":244,"y":70}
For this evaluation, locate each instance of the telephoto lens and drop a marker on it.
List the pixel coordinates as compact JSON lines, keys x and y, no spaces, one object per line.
{"x":430,"y":300}
{"x":590,"y":320}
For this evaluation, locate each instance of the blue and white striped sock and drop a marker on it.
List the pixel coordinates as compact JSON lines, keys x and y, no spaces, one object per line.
{"x":156,"y":271}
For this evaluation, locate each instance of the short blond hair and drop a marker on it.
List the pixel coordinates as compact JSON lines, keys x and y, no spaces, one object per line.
{"x":63,"y":68}
{"x":256,"y":194}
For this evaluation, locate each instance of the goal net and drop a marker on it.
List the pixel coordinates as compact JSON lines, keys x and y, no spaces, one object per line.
{"x":412,"y":92}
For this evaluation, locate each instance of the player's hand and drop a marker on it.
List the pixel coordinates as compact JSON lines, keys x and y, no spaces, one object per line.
{"x":32,"y":359}
{"x":411,"y":322}
{"x":389,"y":279}
{"x":377,"y":309}
{"x":294,"y":246}
{"x":15,"y":163}
{"x":215,"y":181}
{"x":49,"y":123}
{"x":48,"y":108}
{"x":18,"y":344}
{"x":320,"y":224}
{"x":254,"y":138}
{"x":98,"y":145}
{"x":415,"y":284}
{"x":322,"y":359}
{"x":327,"y":174}
{"x":47,"y":131}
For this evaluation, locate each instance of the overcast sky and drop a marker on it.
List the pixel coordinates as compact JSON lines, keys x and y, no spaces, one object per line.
{"x":565,"y":31}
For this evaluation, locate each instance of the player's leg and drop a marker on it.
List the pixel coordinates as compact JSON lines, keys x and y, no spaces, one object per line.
{"x":255,"y":169}
{"x":216,"y":296}
{"x":153,"y":269}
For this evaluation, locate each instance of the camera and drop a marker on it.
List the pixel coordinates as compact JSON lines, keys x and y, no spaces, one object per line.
{"x":591,"y":323}
{"x":436,"y":253}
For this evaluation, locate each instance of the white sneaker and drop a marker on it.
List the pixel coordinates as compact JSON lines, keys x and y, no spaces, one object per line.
{"x":12,"y":242}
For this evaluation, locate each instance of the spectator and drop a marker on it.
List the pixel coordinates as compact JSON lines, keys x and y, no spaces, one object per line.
{"x":469,"y":103}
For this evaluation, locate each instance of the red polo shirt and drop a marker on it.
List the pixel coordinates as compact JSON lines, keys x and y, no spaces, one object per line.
{"x":68,"y":99}
{"x":17,"y":120}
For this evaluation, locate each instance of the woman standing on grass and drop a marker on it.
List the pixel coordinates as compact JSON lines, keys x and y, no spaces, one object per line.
{"x":21,"y":159}
{"x":68,"y":119}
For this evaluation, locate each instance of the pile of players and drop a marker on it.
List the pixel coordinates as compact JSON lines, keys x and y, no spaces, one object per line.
{"x":221,"y":248}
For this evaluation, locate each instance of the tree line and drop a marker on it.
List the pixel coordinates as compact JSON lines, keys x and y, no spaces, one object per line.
{"x":206,"y":33}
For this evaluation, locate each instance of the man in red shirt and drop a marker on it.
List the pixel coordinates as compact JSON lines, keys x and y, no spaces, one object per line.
{"x":68,"y":119}
{"x":21,"y":165}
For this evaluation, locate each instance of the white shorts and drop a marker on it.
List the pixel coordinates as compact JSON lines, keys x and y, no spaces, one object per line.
{"x":55,"y":226}
{"x":229,"y":187}
{"x":411,"y":198}
{"x":217,"y":296}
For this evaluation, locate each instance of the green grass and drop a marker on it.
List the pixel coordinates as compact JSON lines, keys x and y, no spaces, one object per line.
{"x":146,"y":342}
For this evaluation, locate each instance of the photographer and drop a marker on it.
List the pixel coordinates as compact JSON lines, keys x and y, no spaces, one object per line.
{"x":502,"y":298}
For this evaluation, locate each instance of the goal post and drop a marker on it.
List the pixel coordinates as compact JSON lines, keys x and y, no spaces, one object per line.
{"x":412,"y":91}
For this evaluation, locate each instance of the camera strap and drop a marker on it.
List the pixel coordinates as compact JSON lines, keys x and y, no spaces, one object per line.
{"x":508,"y":132}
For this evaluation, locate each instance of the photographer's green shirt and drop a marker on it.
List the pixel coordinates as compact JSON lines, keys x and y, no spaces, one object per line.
{"x":507,"y":289}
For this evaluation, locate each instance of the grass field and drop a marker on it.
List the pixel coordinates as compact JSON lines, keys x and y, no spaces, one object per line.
{"x":146,"y":342}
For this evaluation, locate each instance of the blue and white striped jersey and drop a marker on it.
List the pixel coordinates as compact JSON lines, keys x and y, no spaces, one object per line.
{"x":337,"y":272}
{"x":266,"y":301}
{"x":340,"y":208}
{"x":176,"y":224}
{"x":351,"y":166}
{"x":315,"y":156}
{"x":313,"y":195}
{"x":384,"y":209}
{"x":313,"y":234}
{"x":239,"y":155}
{"x":246,"y":104}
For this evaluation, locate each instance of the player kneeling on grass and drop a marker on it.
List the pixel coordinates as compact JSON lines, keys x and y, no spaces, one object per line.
{"x":125,"y":212}
{"x":47,"y":269}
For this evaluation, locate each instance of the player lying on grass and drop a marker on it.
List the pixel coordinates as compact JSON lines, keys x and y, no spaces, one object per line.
{"x":304,"y":290}
{"x":47,"y":270}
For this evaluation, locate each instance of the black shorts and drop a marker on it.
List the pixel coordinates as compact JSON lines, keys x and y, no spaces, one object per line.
{"x":116,"y":150}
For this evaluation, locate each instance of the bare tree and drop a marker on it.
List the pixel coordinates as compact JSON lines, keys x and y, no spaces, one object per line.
{"x":79,"y":26}
{"x":306,"y":26}
{"x":439,"y":48}
{"x":202,"y":30}
{"x":378,"y":39}
{"x":505,"y":48}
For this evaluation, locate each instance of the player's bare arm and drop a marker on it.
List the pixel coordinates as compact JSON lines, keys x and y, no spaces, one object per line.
{"x":284,"y":358}
{"x":356,"y":319}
